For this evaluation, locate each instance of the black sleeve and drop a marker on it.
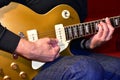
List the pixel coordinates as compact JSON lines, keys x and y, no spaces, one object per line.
{"x":8,"y":40}
{"x":76,"y":43}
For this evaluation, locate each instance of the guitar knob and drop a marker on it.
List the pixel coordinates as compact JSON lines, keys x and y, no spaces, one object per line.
{"x":66,"y":14}
{"x":6,"y":77}
{"x":14,"y":66}
{"x":23,"y":75}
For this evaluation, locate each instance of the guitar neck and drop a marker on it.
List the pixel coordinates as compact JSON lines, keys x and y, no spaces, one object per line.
{"x":87,"y":28}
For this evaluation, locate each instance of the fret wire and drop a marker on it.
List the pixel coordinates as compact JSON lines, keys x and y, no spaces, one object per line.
{"x":93,"y":27}
{"x":83,"y":28}
{"x":80,"y":29}
{"x":116,"y":22}
{"x":111,"y":20}
{"x":66,"y":33}
{"x":90,"y":29}
{"x":87,"y":29}
{"x":96,"y":26}
{"x":75,"y":31}
{"x":70,"y":33}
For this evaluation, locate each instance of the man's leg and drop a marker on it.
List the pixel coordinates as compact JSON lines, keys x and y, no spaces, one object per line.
{"x":110,"y":64}
{"x":71,"y":68}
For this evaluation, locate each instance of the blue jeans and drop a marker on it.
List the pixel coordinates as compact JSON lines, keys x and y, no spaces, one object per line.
{"x":71,"y":68}
{"x":111,"y":65}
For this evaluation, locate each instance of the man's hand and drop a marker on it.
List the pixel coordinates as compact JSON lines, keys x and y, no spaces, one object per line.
{"x":44,"y":49}
{"x":104,"y":34}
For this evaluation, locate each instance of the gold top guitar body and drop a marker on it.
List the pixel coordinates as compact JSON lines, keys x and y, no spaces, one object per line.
{"x":20,"y":19}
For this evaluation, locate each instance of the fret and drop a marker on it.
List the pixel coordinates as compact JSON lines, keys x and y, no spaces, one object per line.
{"x":70,"y":33}
{"x":96,"y":26}
{"x":83,"y":28}
{"x":116,"y":21}
{"x":66,"y":33}
{"x":90,"y":28}
{"x":75,"y":33}
{"x":86,"y":29}
{"x":93,"y":27}
{"x":111,"y":20}
{"x":80,"y":30}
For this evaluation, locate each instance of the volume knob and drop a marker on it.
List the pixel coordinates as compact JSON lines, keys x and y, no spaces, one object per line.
{"x":14,"y":66}
{"x":23,"y":75}
{"x":6,"y":77}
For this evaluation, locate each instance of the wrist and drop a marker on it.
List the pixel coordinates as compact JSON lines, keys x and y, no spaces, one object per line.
{"x":24,"y":48}
{"x":85,"y":44}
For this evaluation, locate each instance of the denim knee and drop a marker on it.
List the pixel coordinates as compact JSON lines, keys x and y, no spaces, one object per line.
{"x":84,"y":69}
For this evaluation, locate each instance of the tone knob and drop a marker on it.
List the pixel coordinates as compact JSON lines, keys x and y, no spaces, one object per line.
{"x":6,"y":77}
{"x":23,"y":75}
{"x":14,"y":65}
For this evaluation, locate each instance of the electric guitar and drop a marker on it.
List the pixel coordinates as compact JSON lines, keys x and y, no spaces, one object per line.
{"x":61,"y":22}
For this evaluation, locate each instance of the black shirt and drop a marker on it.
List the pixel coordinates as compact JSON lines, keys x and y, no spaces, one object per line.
{"x":9,"y":40}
